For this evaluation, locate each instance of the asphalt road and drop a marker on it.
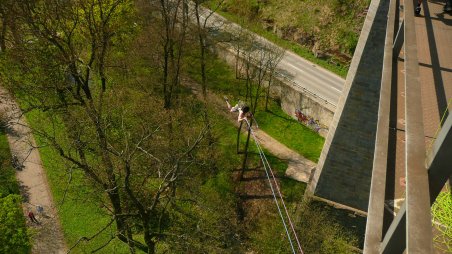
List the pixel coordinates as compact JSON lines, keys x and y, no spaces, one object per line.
{"x":301,"y":73}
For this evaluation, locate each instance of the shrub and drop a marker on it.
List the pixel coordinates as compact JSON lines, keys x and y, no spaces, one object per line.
{"x":14,"y":238}
{"x":442,"y":220}
{"x":317,"y":232}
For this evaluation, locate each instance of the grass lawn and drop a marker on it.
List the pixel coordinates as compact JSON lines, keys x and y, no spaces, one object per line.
{"x":80,"y":213}
{"x":290,"y":132}
{"x":8,"y":183}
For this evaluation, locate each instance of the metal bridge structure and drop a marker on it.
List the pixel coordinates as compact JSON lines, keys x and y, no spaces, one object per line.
{"x":388,"y":153}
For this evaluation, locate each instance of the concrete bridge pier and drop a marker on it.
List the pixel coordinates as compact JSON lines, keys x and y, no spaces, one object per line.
{"x":344,"y":171}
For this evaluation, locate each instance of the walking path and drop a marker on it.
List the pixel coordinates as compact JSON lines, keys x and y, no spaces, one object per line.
{"x":299,"y":168}
{"x":47,"y":236}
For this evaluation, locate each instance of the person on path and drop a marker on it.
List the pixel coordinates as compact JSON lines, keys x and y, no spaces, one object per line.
{"x":243,"y":110}
{"x":417,"y":11}
{"x":32,"y":217}
{"x":448,"y":6}
{"x":40,"y":209}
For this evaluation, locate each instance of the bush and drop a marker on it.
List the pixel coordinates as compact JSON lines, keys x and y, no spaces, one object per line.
{"x":13,"y":232}
{"x":14,"y":238}
{"x":8,"y":183}
{"x":317,"y":231}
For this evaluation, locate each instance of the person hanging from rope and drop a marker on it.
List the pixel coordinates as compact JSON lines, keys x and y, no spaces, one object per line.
{"x":244,"y":110}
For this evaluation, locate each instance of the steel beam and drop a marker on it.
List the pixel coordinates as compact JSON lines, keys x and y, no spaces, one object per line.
{"x":418,"y":217}
{"x":439,"y":163}
{"x":439,"y":160}
{"x":394,"y":240}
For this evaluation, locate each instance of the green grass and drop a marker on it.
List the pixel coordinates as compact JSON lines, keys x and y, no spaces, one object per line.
{"x":291,"y":133}
{"x":8,"y":182}
{"x":12,"y":219}
{"x":288,"y":45}
{"x":442,"y":218}
{"x":291,"y":189}
{"x":80,"y":214}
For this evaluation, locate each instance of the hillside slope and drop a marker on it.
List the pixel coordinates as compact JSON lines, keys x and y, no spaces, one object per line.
{"x":329,"y":28}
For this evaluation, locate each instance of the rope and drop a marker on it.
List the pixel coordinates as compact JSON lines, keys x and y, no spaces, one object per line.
{"x":273,"y":191}
{"x":267,"y":164}
{"x":254,"y":119}
{"x":282,"y":201}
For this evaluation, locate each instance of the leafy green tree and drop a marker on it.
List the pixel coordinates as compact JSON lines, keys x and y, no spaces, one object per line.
{"x":13,"y":236}
{"x":140,"y":158}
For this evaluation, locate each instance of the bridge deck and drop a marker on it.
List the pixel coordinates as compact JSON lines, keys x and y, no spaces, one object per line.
{"x":434,"y":41}
{"x":434,"y":45}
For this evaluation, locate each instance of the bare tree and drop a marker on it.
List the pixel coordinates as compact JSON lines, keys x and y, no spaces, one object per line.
{"x":63,"y":29}
{"x":137,"y":161}
{"x":276,"y":54}
{"x":174,"y":22}
{"x":202,"y":15}
{"x":259,"y":61}
{"x":74,"y":85}
{"x":8,"y":28}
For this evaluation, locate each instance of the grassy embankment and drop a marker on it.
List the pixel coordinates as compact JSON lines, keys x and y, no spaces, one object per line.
{"x":298,"y":49}
{"x":82,"y":217}
{"x":329,"y":26}
{"x":306,"y":142}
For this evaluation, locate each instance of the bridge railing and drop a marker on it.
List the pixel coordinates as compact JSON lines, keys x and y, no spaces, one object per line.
{"x":411,"y":229}
{"x":375,"y":212}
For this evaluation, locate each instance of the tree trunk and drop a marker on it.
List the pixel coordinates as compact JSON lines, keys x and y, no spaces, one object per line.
{"x":148,"y":235}
{"x":245,"y":158}
{"x":267,"y":94}
{"x":3,"y":36}
{"x":238,"y":138}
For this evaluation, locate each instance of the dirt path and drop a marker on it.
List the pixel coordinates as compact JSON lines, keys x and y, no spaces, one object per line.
{"x":47,"y":235}
{"x":299,"y":168}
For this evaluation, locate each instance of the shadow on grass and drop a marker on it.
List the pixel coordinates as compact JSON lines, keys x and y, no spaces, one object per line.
{"x":251,"y":197}
{"x":280,"y":116}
